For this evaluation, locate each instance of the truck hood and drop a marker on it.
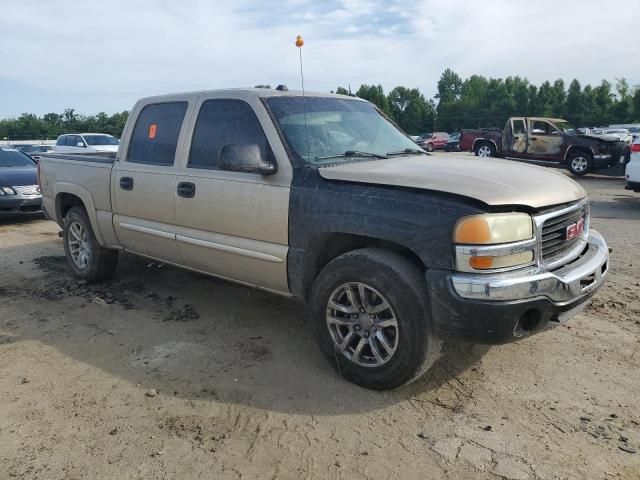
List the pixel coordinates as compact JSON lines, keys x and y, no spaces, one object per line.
{"x":492,"y":181}
{"x":604,"y":137}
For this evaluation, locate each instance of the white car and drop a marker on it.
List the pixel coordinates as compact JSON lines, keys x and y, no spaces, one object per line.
{"x":622,"y":133}
{"x":632,"y":173}
{"x":86,"y":143}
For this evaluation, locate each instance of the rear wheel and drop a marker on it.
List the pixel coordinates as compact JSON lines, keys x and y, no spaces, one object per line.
{"x":429,"y":147}
{"x":87,"y":259}
{"x":580,"y":163}
{"x":372,"y":319}
{"x":485,"y":149}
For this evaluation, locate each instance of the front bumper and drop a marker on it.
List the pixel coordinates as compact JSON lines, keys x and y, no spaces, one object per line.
{"x":505,"y":307}
{"x":20,"y":204}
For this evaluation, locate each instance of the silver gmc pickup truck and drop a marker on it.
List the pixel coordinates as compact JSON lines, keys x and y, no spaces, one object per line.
{"x":323,"y":198}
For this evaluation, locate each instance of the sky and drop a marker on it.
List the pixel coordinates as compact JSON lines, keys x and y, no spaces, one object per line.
{"x":103,"y":55}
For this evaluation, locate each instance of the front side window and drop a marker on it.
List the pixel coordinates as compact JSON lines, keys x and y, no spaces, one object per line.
{"x":540,"y":127}
{"x":325,"y":131}
{"x":155,"y":135}
{"x":225,"y":122}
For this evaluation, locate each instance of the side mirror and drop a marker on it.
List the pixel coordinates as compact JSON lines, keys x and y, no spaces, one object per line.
{"x":245,"y":157}
{"x":79,"y":144}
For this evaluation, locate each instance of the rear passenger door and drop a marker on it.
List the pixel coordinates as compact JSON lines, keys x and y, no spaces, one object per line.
{"x":514,"y":140}
{"x":144,"y":181}
{"x":235,"y":224}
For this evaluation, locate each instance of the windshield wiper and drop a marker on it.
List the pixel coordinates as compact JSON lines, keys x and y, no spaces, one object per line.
{"x":406,"y":151}
{"x":353,"y":153}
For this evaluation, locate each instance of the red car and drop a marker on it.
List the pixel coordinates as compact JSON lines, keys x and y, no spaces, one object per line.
{"x":437,"y":141}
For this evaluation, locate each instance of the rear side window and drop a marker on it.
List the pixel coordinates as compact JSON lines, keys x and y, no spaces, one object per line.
{"x":61,"y":141}
{"x":224,"y":122}
{"x":518,"y":126}
{"x":155,"y":136}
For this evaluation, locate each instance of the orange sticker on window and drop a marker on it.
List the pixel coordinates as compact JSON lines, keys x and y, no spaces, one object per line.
{"x":152,"y":130}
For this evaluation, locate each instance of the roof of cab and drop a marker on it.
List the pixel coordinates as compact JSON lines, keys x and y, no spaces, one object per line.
{"x":245,"y":93}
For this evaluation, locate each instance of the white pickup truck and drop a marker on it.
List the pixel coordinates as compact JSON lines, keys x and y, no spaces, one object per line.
{"x":322,"y":197}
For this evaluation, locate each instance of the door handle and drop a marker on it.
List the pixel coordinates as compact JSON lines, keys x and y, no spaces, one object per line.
{"x":533,"y":139}
{"x":126,"y":183}
{"x":186,"y":189}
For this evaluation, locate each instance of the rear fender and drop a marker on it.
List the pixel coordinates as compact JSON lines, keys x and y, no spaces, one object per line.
{"x":85,"y":197}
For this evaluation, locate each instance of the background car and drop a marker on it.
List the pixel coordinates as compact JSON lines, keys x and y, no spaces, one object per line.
{"x":19,"y":190}
{"x":622,"y":133}
{"x":436,"y":141}
{"x":34,"y":151}
{"x":453,"y":145}
{"x":632,"y":172}
{"x":82,"y":143}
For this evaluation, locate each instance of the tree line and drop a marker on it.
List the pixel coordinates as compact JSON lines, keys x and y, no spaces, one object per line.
{"x":459,"y":103}
{"x":31,"y":127}
{"x":488,"y":102}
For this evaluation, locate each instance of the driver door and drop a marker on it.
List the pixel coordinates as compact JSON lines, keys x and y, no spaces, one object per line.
{"x":545,"y":141}
{"x":231,"y":223}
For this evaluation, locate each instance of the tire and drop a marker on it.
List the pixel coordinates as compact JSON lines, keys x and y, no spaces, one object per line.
{"x":485,"y":149}
{"x":580,"y":163}
{"x":86,"y":258}
{"x":385,"y":277}
{"x":429,"y":147}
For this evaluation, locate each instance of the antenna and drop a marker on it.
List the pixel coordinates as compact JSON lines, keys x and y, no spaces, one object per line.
{"x":299,"y":44}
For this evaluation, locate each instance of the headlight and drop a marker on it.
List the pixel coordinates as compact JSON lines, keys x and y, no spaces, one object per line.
{"x":8,"y":191}
{"x":494,"y":241}
{"x":493,"y":228}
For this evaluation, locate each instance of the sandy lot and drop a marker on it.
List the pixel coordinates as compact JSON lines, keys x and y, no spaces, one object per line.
{"x":165,"y":374}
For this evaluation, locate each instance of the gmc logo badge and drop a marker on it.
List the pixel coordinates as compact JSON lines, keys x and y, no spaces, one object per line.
{"x":574,"y":230}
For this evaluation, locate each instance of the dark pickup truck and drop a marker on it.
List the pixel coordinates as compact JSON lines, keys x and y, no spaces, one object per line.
{"x":549,"y":141}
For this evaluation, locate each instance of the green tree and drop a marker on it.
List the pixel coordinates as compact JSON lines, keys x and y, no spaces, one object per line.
{"x":374,"y":94}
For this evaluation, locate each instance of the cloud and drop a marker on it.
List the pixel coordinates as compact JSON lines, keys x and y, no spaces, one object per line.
{"x":103,"y":55}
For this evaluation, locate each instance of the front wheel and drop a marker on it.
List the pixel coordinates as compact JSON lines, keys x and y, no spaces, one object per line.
{"x":580,"y":163}
{"x":87,"y":259}
{"x":372,"y":319}
{"x":429,"y":147}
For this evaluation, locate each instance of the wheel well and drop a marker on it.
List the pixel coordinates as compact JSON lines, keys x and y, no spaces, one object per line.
{"x":331,"y":246}
{"x":577,"y":148}
{"x":481,"y":141}
{"x":64,"y":202}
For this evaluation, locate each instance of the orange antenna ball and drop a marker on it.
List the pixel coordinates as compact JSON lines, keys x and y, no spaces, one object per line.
{"x":299,"y":41}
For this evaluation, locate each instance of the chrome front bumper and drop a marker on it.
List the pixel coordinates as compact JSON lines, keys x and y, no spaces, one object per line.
{"x":563,"y":286}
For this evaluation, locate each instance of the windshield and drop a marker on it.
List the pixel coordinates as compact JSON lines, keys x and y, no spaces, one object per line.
{"x":337,"y":130}
{"x":13,"y":158}
{"x":566,"y":128}
{"x":101,"y":140}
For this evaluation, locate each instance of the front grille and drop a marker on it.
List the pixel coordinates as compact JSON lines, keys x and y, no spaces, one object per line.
{"x":553,"y":233}
{"x":27,"y":189}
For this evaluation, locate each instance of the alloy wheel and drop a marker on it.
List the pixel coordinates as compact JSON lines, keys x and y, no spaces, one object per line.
{"x":362,"y":324}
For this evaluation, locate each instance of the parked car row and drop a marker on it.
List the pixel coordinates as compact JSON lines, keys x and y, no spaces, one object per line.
{"x":439,"y":141}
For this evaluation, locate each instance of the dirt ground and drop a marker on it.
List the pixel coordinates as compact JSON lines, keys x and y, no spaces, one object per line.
{"x":165,"y":374}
